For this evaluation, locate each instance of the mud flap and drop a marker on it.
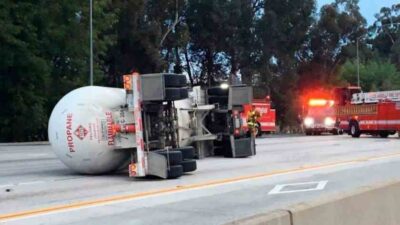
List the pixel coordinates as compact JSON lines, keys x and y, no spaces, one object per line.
{"x":157,"y":165}
{"x":242,"y":147}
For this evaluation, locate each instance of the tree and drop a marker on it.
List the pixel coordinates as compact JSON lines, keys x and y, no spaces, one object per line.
{"x":332,"y":40}
{"x":385,"y":34}
{"x":44,"y":55}
{"x":375,"y":75}
{"x":283,"y":29}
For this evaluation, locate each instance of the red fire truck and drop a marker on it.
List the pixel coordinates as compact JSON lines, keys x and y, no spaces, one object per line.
{"x":374,"y":113}
{"x":266,"y":122}
{"x":318,"y":112}
{"x":319,"y":117}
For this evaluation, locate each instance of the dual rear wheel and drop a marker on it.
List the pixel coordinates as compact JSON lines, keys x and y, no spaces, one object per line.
{"x":180,"y":161}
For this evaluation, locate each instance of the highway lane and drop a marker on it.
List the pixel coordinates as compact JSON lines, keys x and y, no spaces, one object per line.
{"x":32,"y":178}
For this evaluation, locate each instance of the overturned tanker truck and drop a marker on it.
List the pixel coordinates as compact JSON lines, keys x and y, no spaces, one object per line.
{"x":155,"y":126}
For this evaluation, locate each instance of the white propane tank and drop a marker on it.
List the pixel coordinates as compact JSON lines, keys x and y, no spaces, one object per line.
{"x":80,"y":130}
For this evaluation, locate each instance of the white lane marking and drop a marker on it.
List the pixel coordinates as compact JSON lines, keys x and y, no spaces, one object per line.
{"x":5,"y":185}
{"x":278,"y":189}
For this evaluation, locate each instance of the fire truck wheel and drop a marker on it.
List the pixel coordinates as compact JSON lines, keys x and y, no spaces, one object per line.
{"x":354,"y":129}
{"x":174,"y":157}
{"x":189,"y":165}
{"x":174,"y":80}
{"x":175,"y":171}
{"x":217,"y":91}
{"x":308,"y":132}
{"x":384,"y":134}
{"x":187,"y":152}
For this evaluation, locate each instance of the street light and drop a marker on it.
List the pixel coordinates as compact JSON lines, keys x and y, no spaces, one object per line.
{"x":91,"y":42}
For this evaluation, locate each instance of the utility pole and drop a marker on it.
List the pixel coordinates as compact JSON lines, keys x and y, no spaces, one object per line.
{"x":358,"y":66}
{"x":91,"y":42}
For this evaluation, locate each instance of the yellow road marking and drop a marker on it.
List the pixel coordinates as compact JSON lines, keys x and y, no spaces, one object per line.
{"x":114,"y":199}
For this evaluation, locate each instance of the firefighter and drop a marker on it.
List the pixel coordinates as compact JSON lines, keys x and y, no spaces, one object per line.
{"x":252,"y":118}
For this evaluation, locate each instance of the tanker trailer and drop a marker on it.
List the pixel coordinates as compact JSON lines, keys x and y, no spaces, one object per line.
{"x":150,"y":125}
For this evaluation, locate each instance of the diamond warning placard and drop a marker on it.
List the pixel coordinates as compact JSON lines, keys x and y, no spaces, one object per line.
{"x":81,"y":132}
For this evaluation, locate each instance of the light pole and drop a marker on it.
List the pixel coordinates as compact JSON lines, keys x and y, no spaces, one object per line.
{"x":91,"y":42}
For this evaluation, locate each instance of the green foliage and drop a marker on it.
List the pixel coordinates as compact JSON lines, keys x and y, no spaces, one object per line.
{"x":374,"y":75}
{"x":385,"y":34}
{"x":282,"y":47}
{"x":44,"y":52}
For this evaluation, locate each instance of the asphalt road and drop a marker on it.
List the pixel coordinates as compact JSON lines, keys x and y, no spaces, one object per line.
{"x":36,"y":188}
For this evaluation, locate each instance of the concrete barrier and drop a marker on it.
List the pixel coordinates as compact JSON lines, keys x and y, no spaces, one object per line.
{"x":377,"y":205}
{"x":280,"y":217}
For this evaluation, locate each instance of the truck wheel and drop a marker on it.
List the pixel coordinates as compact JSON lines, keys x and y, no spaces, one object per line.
{"x":217,"y":91}
{"x":173,"y":94}
{"x":175,"y":171}
{"x":187,"y":152}
{"x":355,"y":130}
{"x":384,"y":134}
{"x":308,"y":132}
{"x":221,"y":100}
{"x":174,"y":80}
{"x":184,"y":93}
{"x":189,"y":165}
{"x":174,"y":157}
{"x":335,"y":132}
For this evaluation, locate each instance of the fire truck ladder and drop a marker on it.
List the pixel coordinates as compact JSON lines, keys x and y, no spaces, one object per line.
{"x":374,"y":97}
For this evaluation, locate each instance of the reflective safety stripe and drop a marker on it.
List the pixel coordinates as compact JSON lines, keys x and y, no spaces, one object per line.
{"x":267,"y":124}
{"x":374,"y":122}
{"x":380,"y":122}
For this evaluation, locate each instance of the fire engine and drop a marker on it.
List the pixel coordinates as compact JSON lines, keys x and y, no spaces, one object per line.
{"x":318,"y":114}
{"x":266,"y":121}
{"x":374,"y":113}
{"x":154,"y":126}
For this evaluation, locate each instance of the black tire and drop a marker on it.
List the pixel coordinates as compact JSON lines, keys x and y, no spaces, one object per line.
{"x":217,"y":91}
{"x":354,"y":129}
{"x":309,"y":132}
{"x":175,"y":171}
{"x":175,"y":80}
{"x":221,"y":100}
{"x":383,"y":134}
{"x":184,"y":93}
{"x":187,"y":152}
{"x":172,"y":94}
{"x":189,"y":165}
{"x":335,"y":132}
{"x":174,"y":157}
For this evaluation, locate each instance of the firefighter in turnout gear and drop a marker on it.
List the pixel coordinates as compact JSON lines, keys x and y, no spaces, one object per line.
{"x":252,"y":123}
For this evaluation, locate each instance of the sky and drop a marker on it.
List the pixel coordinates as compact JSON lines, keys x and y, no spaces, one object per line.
{"x":368,"y":7}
